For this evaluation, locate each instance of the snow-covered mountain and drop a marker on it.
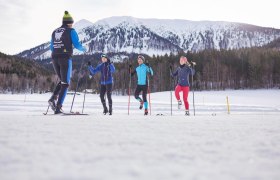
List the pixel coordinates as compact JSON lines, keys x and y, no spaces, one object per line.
{"x":161,"y":36}
{"x":82,"y":24}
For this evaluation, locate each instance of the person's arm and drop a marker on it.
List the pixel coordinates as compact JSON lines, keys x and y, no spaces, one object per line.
{"x":94,"y":71}
{"x":150,"y":70}
{"x":112,"y":68}
{"x":192,"y":71}
{"x":75,"y":41}
{"x":192,"y":67}
{"x":175,"y":73}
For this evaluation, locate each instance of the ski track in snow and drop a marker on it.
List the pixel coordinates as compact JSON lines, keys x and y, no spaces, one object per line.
{"x":242,"y":145}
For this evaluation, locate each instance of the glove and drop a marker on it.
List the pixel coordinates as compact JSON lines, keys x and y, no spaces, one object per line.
{"x":193,"y":63}
{"x":147,"y":64}
{"x":90,"y":76}
{"x":170,"y":67}
{"x":108,"y":61}
{"x":89,"y":63}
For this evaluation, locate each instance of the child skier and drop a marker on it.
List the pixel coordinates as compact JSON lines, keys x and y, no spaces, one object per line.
{"x":142,"y":83}
{"x":62,"y":50}
{"x":183,"y":72}
{"x":106,"y":68}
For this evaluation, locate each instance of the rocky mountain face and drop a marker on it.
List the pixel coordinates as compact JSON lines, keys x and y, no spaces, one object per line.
{"x":161,"y":36}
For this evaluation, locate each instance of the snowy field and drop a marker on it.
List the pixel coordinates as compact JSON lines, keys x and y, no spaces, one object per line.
{"x":211,"y":145}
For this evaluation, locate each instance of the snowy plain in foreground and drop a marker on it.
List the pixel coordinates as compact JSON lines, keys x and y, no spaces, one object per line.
{"x":210,"y":145}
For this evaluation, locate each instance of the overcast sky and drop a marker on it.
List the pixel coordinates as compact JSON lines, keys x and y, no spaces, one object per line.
{"x":27,"y":23}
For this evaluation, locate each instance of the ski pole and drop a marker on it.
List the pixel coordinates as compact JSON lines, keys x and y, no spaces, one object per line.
{"x":47,"y":110}
{"x":193,"y":64}
{"x":49,"y":104}
{"x":77,"y":85}
{"x":149,"y":92}
{"x":170,"y":68}
{"x":84,"y":96}
{"x":129,"y":86}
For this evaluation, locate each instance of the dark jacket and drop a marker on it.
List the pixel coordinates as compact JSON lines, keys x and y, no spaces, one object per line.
{"x":183,"y":72}
{"x":62,"y":42}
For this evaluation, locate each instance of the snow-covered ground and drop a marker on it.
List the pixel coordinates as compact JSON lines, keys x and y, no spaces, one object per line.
{"x":210,"y":145}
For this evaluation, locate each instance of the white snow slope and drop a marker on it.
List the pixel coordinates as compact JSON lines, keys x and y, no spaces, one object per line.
{"x":210,"y":145}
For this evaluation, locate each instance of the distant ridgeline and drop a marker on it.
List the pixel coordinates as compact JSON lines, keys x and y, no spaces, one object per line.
{"x":18,"y":75}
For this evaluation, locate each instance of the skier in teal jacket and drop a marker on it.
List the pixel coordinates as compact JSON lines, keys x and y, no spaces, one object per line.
{"x":142,"y":72}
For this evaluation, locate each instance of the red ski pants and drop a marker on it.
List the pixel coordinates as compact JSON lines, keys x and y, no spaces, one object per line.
{"x":185,"y":90}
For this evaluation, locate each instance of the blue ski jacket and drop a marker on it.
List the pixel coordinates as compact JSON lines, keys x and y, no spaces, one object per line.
{"x":183,"y":73}
{"x":142,"y":71}
{"x":106,"y":70}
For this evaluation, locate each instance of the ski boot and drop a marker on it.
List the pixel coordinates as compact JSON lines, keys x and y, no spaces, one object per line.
{"x":146,"y":112}
{"x":110,"y":110}
{"x":179,"y":104}
{"x":187,"y":113}
{"x":105,"y":109}
{"x":52,"y":102}
{"x":141,"y":104}
{"x":58,"y":109}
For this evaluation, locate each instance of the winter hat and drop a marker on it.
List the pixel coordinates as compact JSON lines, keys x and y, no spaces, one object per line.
{"x":67,"y":18}
{"x":104,"y":55}
{"x":141,"y":57}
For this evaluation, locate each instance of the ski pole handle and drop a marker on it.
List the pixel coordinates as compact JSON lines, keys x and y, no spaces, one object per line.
{"x":193,"y":63}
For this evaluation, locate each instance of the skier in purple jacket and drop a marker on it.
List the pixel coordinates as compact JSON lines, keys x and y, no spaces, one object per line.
{"x":183,"y":72}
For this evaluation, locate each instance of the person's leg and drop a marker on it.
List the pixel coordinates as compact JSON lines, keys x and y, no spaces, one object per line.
{"x":177,"y":92}
{"x":102,"y":98}
{"x":53,"y":98}
{"x":109,"y":96}
{"x":137,"y":97}
{"x":57,"y":90}
{"x":185,"y":96}
{"x":137,"y":92}
{"x":144,"y":95}
{"x":65,"y":73}
{"x":178,"y":89}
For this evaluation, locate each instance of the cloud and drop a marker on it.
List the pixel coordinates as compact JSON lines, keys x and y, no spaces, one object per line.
{"x":27,"y":23}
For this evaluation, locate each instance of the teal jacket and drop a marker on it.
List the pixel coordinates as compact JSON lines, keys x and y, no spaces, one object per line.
{"x":142,"y":71}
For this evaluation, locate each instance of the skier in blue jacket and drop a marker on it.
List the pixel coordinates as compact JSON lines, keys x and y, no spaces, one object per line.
{"x":62,"y":41}
{"x":106,"y":68}
{"x":142,"y":82}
